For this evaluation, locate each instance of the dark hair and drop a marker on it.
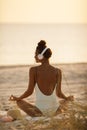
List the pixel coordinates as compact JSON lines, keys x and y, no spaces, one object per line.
{"x":41,"y":46}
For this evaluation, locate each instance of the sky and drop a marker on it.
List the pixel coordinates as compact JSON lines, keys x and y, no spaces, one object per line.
{"x":43,"y":11}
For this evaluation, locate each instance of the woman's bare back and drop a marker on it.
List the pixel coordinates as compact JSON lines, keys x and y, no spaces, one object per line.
{"x":46,"y":78}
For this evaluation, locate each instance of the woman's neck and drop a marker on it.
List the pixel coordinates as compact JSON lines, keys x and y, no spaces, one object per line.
{"x":45,"y":62}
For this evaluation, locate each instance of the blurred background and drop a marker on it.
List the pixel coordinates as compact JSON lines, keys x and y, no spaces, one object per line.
{"x":61,"y":23}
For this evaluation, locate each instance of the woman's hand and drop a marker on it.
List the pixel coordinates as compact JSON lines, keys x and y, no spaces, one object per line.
{"x":14,"y":98}
{"x":70,"y":98}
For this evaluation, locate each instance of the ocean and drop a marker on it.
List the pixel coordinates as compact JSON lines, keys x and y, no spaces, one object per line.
{"x":68,"y":42}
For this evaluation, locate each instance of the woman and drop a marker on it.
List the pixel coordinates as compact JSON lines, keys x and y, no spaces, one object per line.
{"x":46,"y":80}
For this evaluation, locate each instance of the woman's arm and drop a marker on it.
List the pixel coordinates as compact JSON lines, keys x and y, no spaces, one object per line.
{"x":30,"y":88}
{"x":59,"y":92}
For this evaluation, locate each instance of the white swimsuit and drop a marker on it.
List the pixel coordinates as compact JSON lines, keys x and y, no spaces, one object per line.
{"x":47,"y":104}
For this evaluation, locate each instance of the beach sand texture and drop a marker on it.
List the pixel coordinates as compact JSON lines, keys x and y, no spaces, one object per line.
{"x":14,"y":80}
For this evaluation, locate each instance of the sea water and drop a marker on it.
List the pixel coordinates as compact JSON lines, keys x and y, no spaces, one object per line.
{"x":18,"y":42}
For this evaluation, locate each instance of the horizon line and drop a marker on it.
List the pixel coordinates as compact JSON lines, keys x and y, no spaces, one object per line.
{"x":23,"y":65}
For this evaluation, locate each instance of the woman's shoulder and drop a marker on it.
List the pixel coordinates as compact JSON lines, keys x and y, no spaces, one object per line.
{"x":33,"y":68}
{"x":56,"y":68}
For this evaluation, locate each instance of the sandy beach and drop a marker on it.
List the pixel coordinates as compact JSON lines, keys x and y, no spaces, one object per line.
{"x":14,"y":80}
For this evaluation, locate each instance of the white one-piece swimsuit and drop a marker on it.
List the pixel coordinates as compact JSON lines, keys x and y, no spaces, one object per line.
{"x":47,"y":104}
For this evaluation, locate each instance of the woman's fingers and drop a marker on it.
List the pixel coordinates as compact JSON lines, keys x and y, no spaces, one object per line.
{"x":70,"y":98}
{"x":13,"y":98}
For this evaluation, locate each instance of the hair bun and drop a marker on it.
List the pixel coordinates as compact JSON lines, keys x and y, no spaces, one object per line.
{"x":42,"y":44}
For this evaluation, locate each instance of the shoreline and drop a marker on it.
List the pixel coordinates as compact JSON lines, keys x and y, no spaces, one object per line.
{"x":29,"y":65}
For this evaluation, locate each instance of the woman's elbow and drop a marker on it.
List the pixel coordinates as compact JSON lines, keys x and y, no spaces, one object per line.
{"x":58,"y":94}
{"x":29,"y":93}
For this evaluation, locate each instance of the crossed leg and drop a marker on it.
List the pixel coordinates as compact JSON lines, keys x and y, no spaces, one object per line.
{"x":63,"y":107}
{"x":31,"y":110}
